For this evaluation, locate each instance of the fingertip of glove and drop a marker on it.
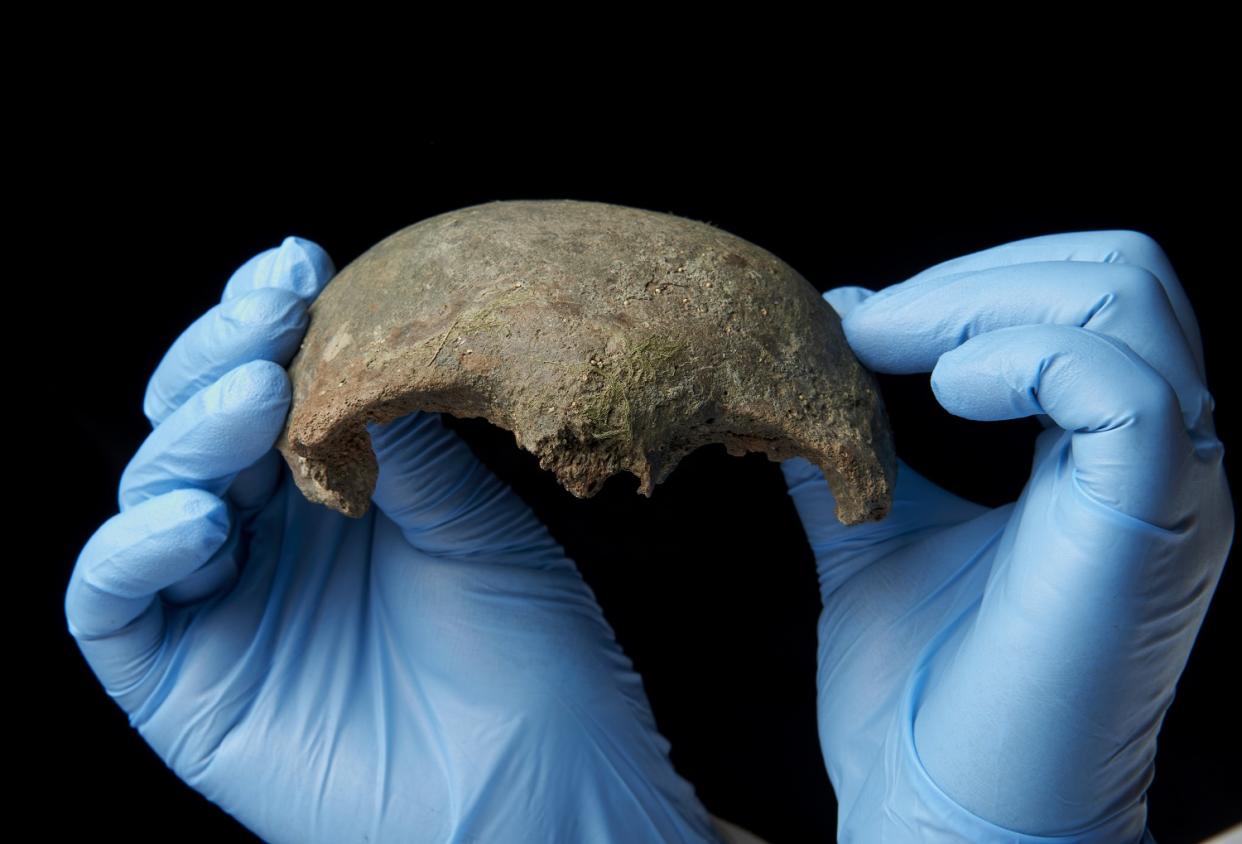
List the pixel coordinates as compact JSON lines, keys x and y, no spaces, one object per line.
{"x":297,"y":264}
{"x":260,"y":382}
{"x":265,"y":306}
{"x":201,"y":507}
{"x":867,"y":329}
{"x":308,"y":266}
{"x":173,"y":513}
{"x":846,"y":298}
{"x":154,"y":406}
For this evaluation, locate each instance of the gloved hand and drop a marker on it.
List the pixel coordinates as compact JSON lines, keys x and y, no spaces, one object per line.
{"x":436,"y":670}
{"x":1000,"y":675}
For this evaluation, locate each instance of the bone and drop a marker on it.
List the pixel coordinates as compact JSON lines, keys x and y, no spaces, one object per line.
{"x":606,"y":338}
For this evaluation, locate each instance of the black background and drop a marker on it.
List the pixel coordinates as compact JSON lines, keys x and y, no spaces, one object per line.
{"x":709,"y":584}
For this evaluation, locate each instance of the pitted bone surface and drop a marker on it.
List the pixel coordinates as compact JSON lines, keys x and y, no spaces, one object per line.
{"x":606,"y":338}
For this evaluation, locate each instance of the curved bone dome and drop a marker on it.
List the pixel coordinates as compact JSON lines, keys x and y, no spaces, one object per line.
{"x":605,"y":338}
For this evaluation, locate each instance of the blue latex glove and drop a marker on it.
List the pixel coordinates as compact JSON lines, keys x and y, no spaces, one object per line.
{"x":434,"y":671}
{"x":1000,"y":675}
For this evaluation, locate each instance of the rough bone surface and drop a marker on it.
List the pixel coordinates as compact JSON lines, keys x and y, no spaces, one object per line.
{"x":605,"y":338}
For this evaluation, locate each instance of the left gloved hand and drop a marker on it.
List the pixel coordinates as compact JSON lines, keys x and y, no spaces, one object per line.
{"x":1000,"y":675}
{"x":436,"y":670}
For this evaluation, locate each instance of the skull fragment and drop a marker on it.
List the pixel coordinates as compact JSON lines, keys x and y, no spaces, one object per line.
{"x":606,"y":338}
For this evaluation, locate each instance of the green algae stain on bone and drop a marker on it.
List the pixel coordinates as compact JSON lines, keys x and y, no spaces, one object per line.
{"x":608,"y":412}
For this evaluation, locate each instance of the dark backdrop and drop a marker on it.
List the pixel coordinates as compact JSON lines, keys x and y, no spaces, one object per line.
{"x":709,"y":584}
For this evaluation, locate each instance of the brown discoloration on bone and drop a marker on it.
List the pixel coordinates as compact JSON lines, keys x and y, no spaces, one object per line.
{"x":606,"y":338}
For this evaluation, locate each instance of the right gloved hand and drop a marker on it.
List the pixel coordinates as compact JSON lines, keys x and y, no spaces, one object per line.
{"x":436,"y":670}
{"x":1000,"y":674}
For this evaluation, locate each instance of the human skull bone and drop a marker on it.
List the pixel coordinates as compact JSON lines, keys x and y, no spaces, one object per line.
{"x":606,"y":338}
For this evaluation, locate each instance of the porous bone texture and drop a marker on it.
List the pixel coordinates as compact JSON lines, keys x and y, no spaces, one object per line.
{"x":606,"y":338}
